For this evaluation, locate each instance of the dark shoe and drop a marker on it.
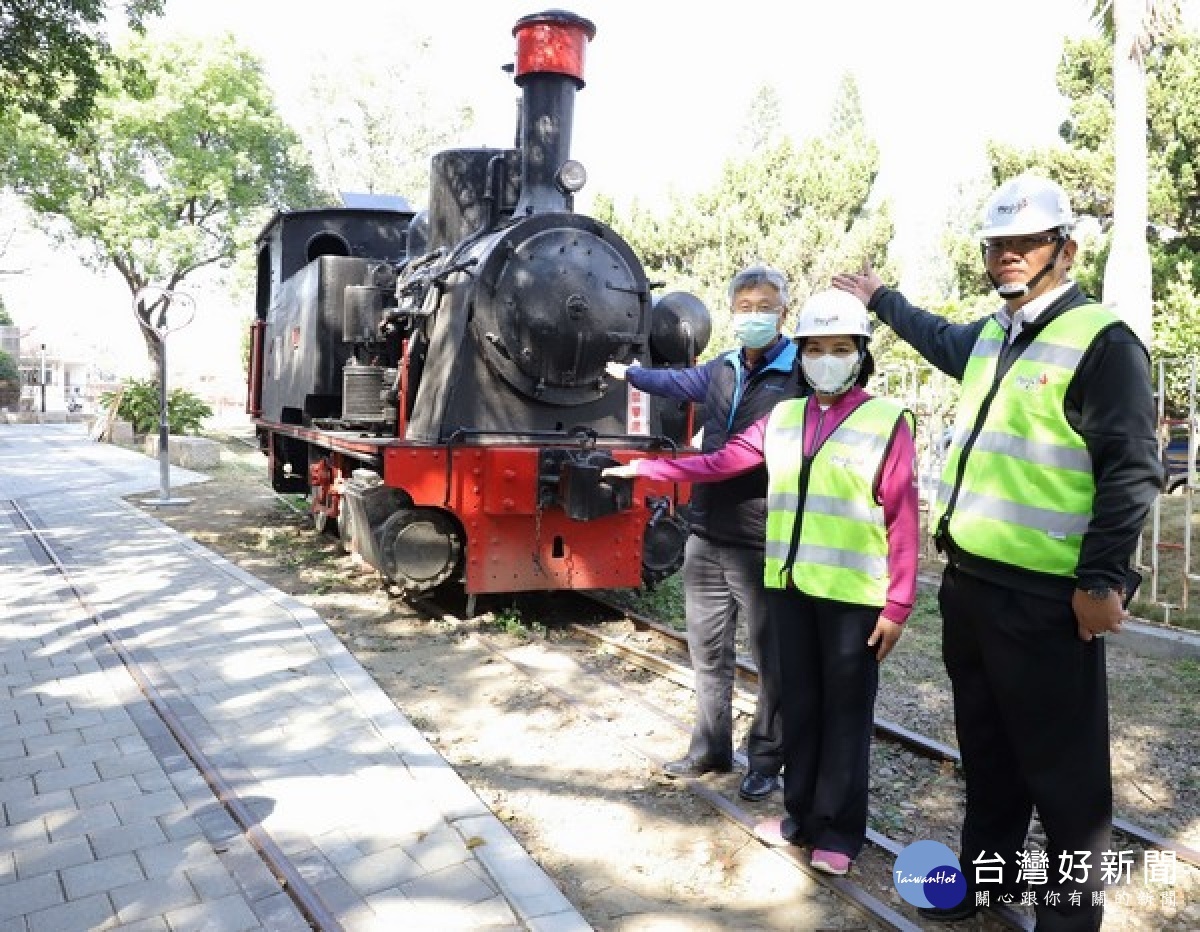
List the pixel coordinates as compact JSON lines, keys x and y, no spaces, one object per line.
{"x":697,"y":766}
{"x":757,"y":786}
{"x":964,"y":910}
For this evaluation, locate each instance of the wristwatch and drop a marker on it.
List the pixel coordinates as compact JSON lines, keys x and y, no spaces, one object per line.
{"x":1099,"y":593}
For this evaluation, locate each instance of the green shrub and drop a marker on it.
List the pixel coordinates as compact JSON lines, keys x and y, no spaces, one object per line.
{"x":8,"y":368}
{"x":139,"y":405}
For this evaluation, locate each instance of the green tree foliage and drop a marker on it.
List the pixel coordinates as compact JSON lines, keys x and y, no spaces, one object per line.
{"x":374,"y":123}
{"x":53,"y":57}
{"x":8,"y":368}
{"x":1085,"y":168}
{"x":5,"y":317}
{"x":140,"y":403}
{"x":802,"y":207}
{"x":173,"y":173}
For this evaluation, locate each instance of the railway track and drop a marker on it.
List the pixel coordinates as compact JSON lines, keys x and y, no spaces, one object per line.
{"x":104,"y":638}
{"x":891,"y":731}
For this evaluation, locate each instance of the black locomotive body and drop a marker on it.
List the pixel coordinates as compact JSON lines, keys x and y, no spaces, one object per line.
{"x":436,"y":382}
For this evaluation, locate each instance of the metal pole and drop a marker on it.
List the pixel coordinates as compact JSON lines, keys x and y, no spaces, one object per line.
{"x":42,"y":380}
{"x":164,"y":427}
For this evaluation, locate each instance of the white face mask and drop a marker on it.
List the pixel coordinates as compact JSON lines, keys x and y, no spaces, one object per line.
{"x":831,"y":375}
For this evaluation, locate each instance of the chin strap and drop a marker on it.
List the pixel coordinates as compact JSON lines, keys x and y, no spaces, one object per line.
{"x":1008,"y":292}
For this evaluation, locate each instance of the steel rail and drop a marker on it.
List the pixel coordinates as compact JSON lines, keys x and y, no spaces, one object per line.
{"x":926,"y":747}
{"x":290,"y":879}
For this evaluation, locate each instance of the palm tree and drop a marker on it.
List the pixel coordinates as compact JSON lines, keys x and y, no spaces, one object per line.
{"x":1133,"y":26}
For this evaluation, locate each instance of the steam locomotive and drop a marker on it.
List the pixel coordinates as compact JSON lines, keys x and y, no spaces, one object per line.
{"x":435,"y":381}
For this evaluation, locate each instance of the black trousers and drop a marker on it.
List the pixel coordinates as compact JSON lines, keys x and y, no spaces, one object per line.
{"x":1031,"y":712}
{"x":721,"y":584}
{"x":829,"y":681}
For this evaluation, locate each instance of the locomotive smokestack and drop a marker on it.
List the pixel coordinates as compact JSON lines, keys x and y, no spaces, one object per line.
{"x":549,"y":70}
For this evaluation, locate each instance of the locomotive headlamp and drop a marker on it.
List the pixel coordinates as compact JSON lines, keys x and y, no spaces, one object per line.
{"x":571,"y":177}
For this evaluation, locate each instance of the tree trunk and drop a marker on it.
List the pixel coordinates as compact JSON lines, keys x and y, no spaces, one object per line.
{"x":1127,"y":278}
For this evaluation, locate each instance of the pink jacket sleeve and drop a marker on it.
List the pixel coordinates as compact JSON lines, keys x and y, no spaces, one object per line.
{"x":897,"y":492}
{"x":741,"y":453}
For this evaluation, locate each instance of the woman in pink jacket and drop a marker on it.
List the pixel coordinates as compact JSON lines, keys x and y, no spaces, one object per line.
{"x":841,"y":567}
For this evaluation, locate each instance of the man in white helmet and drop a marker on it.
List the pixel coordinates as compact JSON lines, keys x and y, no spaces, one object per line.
{"x":1051,"y":470}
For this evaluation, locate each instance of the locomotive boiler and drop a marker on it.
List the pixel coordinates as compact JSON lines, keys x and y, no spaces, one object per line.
{"x":435,"y":382}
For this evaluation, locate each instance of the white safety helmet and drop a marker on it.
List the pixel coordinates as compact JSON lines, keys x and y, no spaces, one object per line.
{"x":1027,"y":204}
{"x":831,"y":313}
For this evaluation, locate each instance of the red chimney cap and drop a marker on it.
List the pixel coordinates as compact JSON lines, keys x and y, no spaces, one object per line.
{"x":552,"y":42}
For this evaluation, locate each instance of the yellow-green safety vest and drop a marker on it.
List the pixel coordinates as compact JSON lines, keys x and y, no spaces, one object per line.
{"x":1017,"y":486}
{"x":842,"y":549}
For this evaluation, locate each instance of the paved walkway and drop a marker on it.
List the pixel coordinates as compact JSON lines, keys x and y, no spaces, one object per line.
{"x":108,"y":821}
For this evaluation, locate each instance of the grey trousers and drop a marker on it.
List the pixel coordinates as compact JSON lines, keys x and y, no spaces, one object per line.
{"x":724,"y":583}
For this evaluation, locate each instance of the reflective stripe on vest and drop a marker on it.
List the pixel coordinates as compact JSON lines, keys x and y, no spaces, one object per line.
{"x":1026,"y":493}
{"x":842,"y":550}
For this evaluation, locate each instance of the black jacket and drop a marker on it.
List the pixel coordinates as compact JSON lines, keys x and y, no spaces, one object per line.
{"x":1110,"y":403}
{"x":734,"y":511}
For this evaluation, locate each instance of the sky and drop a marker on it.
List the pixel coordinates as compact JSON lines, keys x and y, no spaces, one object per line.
{"x":668,"y":85}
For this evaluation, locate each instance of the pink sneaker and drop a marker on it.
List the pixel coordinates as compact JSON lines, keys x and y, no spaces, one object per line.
{"x":831,"y":862}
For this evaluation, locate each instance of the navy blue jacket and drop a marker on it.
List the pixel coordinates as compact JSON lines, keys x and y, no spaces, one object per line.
{"x":732,"y":511}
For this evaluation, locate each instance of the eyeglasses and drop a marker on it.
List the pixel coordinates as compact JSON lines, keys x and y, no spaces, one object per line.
{"x":757,"y":309}
{"x":1022,"y":245}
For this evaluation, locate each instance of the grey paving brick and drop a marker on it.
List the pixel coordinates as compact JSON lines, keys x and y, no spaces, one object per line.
{"x":376,"y":872}
{"x":106,"y":874}
{"x":152,"y":781}
{"x":228,"y":914}
{"x":122,"y":765}
{"x":29,"y":764}
{"x":211,"y":880}
{"x":88,"y":753}
{"x":37,"y":805}
{"x":176,"y":825}
{"x":88,"y":913}
{"x":81,"y":821}
{"x":108,"y":791}
{"x":15,"y":924}
{"x":44,"y":857}
{"x":27,"y":730}
{"x":152,"y":897}
{"x":28,"y":896}
{"x":457,"y":884}
{"x":148,"y":804}
{"x":8,"y":867}
{"x":109,"y":730}
{"x":65,"y":778}
{"x":171,"y":857}
{"x":16,"y":789}
{"x":59,"y":741}
{"x":11,"y":749}
{"x":153,"y":924}
{"x":278,"y":913}
{"x":141,"y":834}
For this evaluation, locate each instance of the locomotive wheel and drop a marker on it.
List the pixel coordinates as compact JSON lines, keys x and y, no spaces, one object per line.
{"x":420,"y":548}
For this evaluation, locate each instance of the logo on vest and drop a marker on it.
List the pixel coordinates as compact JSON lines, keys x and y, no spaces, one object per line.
{"x":844,"y":461}
{"x":1031,"y":383}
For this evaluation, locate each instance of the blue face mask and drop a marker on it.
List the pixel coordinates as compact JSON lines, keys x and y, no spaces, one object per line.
{"x":756,"y":329}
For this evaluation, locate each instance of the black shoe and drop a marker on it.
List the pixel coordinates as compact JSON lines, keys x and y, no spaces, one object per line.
{"x":756,"y":786}
{"x":964,"y":910}
{"x":697,"y":766}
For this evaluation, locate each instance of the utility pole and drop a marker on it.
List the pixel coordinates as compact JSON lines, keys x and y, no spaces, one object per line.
{"x":42,"y":379}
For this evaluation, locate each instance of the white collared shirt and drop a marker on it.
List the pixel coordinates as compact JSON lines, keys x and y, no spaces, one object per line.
{"x":1028,"y":313}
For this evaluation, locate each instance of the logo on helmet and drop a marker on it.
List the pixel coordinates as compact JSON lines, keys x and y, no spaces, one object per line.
{"x":1013,"y":208}
{"x":825,"y":321}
